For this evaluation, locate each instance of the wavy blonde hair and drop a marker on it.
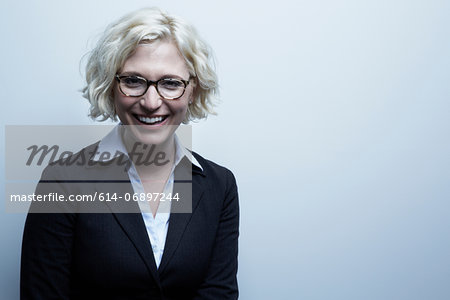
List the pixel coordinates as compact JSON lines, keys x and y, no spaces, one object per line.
{"x":120,"y":40}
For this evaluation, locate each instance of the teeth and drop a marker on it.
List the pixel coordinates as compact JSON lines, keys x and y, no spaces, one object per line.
{"x":150,"y":120}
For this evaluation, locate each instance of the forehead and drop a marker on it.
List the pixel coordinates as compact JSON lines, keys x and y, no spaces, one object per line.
{"x":155,"y":60}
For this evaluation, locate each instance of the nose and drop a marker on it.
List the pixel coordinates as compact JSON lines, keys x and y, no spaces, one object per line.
{"x":151,"y":100}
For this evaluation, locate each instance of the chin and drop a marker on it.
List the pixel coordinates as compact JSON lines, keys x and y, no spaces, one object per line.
{"x":149,"y":135}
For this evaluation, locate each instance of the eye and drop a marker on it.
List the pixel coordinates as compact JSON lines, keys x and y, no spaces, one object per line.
{"x":132,"y":81}
{"x":171,"y":84}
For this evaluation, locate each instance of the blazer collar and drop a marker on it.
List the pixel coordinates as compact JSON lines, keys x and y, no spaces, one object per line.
{"x":112,"y":145}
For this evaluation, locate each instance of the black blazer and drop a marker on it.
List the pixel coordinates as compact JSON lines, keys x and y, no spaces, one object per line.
{"x":73,"y":255}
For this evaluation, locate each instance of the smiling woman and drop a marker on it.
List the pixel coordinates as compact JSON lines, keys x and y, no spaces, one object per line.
{"x":178,"y":237}
{"x":150,"y":27}
{"x":149,"y":108}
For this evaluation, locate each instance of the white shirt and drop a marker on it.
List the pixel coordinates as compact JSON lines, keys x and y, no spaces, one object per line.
{"x":156,"y":227}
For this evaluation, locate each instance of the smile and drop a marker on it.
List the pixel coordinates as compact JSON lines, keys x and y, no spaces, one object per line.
{"x":151,"y":120}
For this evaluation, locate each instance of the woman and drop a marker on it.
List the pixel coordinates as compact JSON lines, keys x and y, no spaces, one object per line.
{"x":152,"y":72}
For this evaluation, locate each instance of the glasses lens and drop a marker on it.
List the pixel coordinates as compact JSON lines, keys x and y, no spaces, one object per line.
{"x":171,"y":88}
{"x":133,"y":86}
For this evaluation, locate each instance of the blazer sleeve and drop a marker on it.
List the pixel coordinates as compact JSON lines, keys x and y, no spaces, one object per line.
{"x":220,"y":281}
{"x":46,"y":249}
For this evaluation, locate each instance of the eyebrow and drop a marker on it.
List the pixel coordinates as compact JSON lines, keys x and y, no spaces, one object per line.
{"x":132,"y":73}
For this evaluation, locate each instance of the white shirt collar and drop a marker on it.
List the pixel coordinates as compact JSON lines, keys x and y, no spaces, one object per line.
{"x":112,"y":143}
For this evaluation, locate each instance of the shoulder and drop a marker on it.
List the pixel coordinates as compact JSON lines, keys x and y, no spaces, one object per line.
{"x":215,"y":172}
{"x":211,"y":167}
{"x":70,"y":164}
{"x":222,"y":186}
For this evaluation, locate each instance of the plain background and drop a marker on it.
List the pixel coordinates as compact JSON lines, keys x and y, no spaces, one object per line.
{"x":335,"y":119}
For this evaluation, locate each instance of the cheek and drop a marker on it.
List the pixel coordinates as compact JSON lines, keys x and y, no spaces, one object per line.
{"x":118,"y":105}
{"x":121,"y":107}
{"x":183,"y":104}
{"x":115,"y":100}
{"x":179,"y":107}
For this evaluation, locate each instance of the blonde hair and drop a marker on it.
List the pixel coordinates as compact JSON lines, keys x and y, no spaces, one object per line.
{"x":120,"y":40}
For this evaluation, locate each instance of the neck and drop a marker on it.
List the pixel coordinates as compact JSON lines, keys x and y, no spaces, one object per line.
{"x":151,"y":159}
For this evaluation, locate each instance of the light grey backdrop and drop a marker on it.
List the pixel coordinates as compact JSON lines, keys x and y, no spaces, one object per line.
{"x":334,"y":119}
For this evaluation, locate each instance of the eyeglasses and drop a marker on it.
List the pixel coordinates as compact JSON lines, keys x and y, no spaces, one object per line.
{"x":167,"y":88}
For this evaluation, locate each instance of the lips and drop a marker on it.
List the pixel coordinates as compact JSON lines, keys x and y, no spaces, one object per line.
{"x":154,"y":120}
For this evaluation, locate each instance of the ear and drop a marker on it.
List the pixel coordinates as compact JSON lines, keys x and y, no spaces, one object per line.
{"x":192,"y":96}
{"x":194,"y":92}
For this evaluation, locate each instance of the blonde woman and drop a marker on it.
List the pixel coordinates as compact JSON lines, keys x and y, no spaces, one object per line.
{"x":150,"y":71}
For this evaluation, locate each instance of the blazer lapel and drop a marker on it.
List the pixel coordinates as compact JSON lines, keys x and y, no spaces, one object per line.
{"x":112,"y":179}
{"x":187,"y":185}
{"x":127,"y":213}
{"x":134,"y":227}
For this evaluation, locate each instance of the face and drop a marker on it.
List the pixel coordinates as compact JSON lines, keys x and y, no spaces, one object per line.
{"x":154,"y":118}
